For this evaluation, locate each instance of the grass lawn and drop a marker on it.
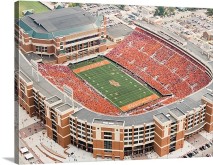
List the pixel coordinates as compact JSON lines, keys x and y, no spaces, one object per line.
{"x":115,"y":85}
{"x":24,"y":5}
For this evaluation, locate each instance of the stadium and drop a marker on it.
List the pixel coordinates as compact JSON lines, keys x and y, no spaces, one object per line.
{"x":148,"y":92}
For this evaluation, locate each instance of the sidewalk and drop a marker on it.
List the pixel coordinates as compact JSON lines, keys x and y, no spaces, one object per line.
{"x":24,"y":119}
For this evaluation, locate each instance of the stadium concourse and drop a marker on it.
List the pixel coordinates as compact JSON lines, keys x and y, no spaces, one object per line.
{"x":163,"y":67}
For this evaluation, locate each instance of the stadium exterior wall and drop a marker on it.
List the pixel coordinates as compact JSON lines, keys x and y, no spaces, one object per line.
{"x":115,"y":141}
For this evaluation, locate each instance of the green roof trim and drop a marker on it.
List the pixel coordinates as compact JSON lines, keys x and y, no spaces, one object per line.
{"x":69,"y":31}
{"x":59,"y":7}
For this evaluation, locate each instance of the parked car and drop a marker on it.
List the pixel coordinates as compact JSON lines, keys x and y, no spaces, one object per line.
{"x":204,"y":147}
{"x":189,"y":154}
{"x":207,"y":145}
{"x":201,"y":148}
{"x":195,"y":151}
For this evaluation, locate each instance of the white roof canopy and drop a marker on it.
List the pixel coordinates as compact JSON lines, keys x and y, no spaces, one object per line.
{"x":28,"y":156}
{"x":24,"y":150}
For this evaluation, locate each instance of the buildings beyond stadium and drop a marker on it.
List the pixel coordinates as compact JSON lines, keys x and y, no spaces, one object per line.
{"x":74,"y":34}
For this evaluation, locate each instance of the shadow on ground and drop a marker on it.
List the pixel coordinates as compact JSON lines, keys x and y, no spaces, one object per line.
{"x":10,"y":159}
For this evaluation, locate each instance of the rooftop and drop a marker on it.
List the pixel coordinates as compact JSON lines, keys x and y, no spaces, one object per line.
{"x":163,"y":118}
{"x":209,"y":96}
{"x":59,"y":22}
{"x":177,"y":112}
{"x":53,"y":99}
{"x":57,"y":105}
{"x":64,"y":107}
{"x":119,"y":30}
{"x":44,"y":58}
{"x":109,"y":122}
{"x":25,"y":77}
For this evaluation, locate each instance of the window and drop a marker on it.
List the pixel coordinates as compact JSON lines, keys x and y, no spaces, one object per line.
{"x":152,"y":138}
{"x":54,"y":126}
{"x":41,"y":49}
{"x":81,"y":39}
{"x":74,"y":48}
{"x":85,"y":45}
{"x":68,"y":50}
{"x":135,"y":133}
{"x":37,"y":49}
{"x":107,"y":144}
{"x":22,"y":96}
{"x":141,"y":132}
{"x":107,"y":137}
{"x":108,"y":133}
{"x":147,"y":127}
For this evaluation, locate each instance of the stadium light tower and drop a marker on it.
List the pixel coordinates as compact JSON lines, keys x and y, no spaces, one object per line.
{"x":68,"y":92}
{"x":35,"y":69}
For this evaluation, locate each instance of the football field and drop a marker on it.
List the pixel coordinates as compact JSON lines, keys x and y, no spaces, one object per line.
{"x":115,"y":85}
{"x":26,"y":5}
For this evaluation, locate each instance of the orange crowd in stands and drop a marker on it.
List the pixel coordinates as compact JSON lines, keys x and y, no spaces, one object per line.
{"x":62,"y":75}
{"x":165,"y":68}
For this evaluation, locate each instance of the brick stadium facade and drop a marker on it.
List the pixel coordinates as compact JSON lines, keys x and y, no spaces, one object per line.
{"x":104,"y":136}
{"x":75,"y":41}
{"x":113,"y":138}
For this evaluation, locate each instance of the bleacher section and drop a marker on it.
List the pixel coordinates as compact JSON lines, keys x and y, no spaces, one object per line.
{"x":163,"y":67}
{"x":61,"y":75}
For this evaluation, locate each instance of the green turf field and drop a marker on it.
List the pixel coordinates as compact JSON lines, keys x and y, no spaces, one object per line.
{"x":87,"y":62}
{"x":128,"y":91}
{"x":24,"y":5}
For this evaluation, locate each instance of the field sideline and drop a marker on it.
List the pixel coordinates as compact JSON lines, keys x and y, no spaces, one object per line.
{"x":118,"y":87}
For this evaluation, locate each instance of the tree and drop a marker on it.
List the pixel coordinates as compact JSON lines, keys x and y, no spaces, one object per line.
{"x":209,"y":12}
{"x":192,"y":9}
{"x":164,"y":11}
{"x":171,"y":10}
{"x":121,"y":7}
{"x":74,"y":4}
{"x":160,"y":11}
